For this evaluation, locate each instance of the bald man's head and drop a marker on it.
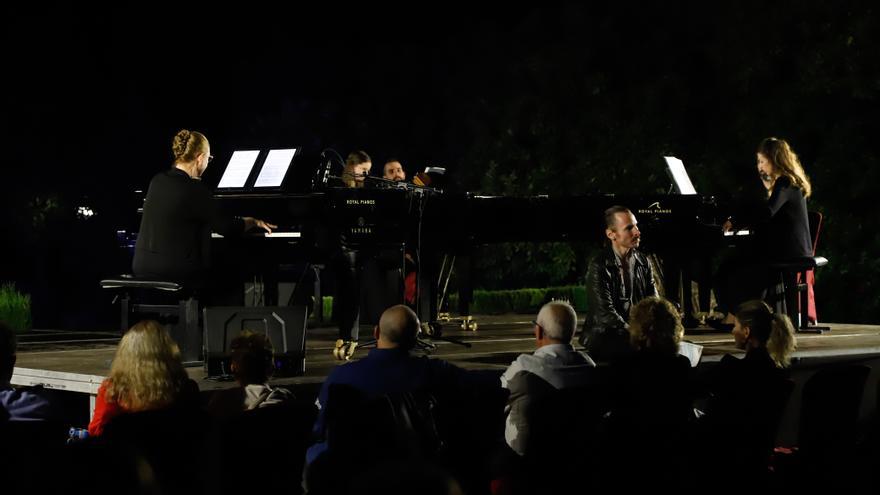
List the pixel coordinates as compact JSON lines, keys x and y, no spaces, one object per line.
{"x":398,"y":327}
{"x":559,"y":321}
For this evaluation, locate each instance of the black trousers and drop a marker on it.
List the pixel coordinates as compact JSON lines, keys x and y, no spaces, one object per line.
{"x":741,"y":277}
{"x":347,"y":264}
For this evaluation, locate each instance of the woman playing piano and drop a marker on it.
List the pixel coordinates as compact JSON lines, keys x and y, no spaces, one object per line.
{"x":179,"y":215}
{"x":781,"y":225}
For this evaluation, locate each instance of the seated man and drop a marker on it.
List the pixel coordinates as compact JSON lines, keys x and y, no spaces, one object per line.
{"x":555,"y":361}
{"x":18,"y":404}
{"x":389,"y":368}
{"x":617,"y":279}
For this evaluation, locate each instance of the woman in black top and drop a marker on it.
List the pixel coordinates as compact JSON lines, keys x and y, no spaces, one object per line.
{"x":179,"y":215}
{"x":747,"y":396}
{"x":781,"y":225}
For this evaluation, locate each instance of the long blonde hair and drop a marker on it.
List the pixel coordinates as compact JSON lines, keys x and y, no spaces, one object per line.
{"x":766,"y":329}
{"x":786,"y":161}
{"x":147,"y":372}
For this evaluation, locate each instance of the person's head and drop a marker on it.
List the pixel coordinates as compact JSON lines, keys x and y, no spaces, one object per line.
{"x":398,"y":327}
{"x":147,"y":372}
{"x":251,"y":358}
{"x":555,"y":324}
{"x":192,"y":152}
{"x":393,"y":170}
{"x":621,"y":228}
{"x":776,"y":159}
{"x":8,"y":347}
{"x":357,"y":165}
{"x":755,"y":325}
{"x":655,"y":325}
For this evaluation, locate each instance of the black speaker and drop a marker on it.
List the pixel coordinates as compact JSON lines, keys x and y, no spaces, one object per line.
{"x":285,"y":326}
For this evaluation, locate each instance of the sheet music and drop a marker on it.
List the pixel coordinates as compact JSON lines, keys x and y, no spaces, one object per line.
{"x":275,"y":168}
{"x":238,"y":169}
{"x":679,"y":175}
{"x":691,"y":351}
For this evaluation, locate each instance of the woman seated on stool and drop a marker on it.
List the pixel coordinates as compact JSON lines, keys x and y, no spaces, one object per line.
{"x":782,"y":228}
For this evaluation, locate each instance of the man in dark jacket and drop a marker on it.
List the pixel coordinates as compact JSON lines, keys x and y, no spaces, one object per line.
{"x":617,"y":278}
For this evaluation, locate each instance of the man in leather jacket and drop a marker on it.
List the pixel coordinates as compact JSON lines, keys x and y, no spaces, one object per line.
{"x":617,"y":279}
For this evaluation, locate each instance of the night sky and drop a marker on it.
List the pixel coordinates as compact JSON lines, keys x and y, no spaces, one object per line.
{"x":564,"y":99}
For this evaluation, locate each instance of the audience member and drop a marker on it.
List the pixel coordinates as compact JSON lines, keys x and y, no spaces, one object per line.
{"x":651,"y":398}
{"x":147,"y":374}
{"x":252,"y":363}
{"x":19,"y":404}
{"x":555,"y":361}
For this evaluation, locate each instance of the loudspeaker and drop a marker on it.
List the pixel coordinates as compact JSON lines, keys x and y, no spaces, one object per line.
{"x":285,"y":326}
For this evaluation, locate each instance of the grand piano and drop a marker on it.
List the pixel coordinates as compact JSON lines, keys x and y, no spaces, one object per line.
{"x":431,"y":223}
{"x":675,"y":227}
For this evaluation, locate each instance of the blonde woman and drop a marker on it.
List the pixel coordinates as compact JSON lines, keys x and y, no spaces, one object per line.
{"x":767,"y":338}
{"x":147,"y":374}
{"x":653,"y":380}
{"x":746,"y":396}
{"x":174,"y":240}
{"x":651,"y":398}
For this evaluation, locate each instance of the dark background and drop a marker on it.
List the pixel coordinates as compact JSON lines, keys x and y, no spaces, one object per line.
{"x":564,"y":99}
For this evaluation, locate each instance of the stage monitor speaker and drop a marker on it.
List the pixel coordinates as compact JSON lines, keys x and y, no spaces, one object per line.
{"x":285,"y":326}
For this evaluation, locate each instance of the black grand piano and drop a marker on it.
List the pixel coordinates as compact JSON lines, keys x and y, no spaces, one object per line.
{"x":313,"y":220}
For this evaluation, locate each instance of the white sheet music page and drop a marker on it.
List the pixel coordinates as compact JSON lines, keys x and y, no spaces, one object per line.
{"x":679,"y":175}
{"x":238,"y":169}
{"x":691,"y":351}
{"x":275,"y":168}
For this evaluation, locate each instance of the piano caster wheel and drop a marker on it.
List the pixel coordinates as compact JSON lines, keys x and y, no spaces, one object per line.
{"x":468,"y":323}
{"x":344,"y":349}
{"x":432,"y":329}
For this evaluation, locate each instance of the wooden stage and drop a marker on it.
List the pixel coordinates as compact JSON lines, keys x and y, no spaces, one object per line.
{"x":78,"y":361}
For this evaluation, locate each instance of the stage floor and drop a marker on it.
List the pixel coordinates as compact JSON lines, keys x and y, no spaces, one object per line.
{"x":497,"y":342}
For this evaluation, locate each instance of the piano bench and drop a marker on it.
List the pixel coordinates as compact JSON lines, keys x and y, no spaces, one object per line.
{"x":166,"y":301}
{"x":789,"y":290}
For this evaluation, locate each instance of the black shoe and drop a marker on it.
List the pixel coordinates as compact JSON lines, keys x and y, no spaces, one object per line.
{"x":690,"y":322}
{"x":719,"y":325}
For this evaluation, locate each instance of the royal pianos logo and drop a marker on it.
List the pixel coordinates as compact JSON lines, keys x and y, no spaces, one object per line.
{"x":359,"y":202}
{"x":655,"y":209}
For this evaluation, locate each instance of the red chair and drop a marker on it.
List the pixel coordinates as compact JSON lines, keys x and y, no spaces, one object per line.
{"x":796,"y":282}
{"x":815,"y":219}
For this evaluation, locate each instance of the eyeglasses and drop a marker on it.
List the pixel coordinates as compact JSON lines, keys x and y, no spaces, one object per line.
{"x":210,"y":157}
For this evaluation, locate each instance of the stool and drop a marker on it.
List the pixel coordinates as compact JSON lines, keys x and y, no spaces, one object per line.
{"x":185,"y":330}
{"x":790,"y":289}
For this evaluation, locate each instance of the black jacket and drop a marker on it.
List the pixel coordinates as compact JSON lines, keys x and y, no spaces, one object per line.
{"x":174,"y":240}
{"x":607,"y":310}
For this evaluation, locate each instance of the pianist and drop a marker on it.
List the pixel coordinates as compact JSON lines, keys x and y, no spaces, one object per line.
{"x":617,"y":278}
{"x":179,"y":214}
{"x":781,"y":225}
